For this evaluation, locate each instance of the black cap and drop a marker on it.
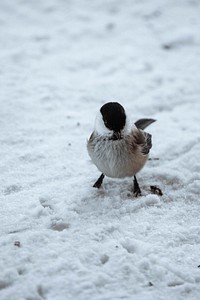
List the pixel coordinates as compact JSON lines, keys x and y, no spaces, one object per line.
{"x":114,"y":116}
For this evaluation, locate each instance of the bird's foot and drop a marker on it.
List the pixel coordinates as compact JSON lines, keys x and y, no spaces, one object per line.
{"x":137,"y":193}
{"x":155,"y":190}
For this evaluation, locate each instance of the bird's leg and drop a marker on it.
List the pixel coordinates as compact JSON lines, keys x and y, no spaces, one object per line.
{"x":99,"y":181}
{"x":136,"y":188}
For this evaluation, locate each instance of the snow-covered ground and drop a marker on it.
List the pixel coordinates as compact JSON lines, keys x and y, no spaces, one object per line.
{"x":59,"y":62}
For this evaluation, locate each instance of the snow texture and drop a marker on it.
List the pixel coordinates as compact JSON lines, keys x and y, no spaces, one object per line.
{"x":60,"y":62}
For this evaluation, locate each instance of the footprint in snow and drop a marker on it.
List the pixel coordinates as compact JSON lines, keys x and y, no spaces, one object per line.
{"x":14,"y":188}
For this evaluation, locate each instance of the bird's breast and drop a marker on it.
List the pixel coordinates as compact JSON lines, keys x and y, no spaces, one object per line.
{"x":116,"y":158}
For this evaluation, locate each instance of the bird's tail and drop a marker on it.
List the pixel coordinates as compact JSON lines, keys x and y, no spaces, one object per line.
{"x":143,"y":123}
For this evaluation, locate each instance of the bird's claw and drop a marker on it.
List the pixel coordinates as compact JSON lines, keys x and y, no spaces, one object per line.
{"x":155,"y":190}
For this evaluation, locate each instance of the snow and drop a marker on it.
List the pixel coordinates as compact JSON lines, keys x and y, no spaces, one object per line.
{"x":60,"y":238}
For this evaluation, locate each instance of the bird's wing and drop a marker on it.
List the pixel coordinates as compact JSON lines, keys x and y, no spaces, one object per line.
{"x":146,"y":146}
{"x":142,"y":139}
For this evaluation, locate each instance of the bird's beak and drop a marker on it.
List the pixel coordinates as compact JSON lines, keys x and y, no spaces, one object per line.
{"x":117,"y":135}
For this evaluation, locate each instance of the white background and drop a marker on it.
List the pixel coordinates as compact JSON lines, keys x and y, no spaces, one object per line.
{"x":60,"y":61}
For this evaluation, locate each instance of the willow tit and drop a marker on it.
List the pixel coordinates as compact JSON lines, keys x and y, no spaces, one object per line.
{"x":118,"y":148}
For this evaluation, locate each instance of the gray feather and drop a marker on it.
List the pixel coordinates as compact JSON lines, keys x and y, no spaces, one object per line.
{"x":148,"y":143}
{"x":143,"y":123}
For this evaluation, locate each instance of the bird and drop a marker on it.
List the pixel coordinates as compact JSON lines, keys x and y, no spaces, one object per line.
{"x":118,"y":147}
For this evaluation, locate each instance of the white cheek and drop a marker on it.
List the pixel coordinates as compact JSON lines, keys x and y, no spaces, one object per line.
{"x":129,"y":126}
{"x":100,"y":127}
